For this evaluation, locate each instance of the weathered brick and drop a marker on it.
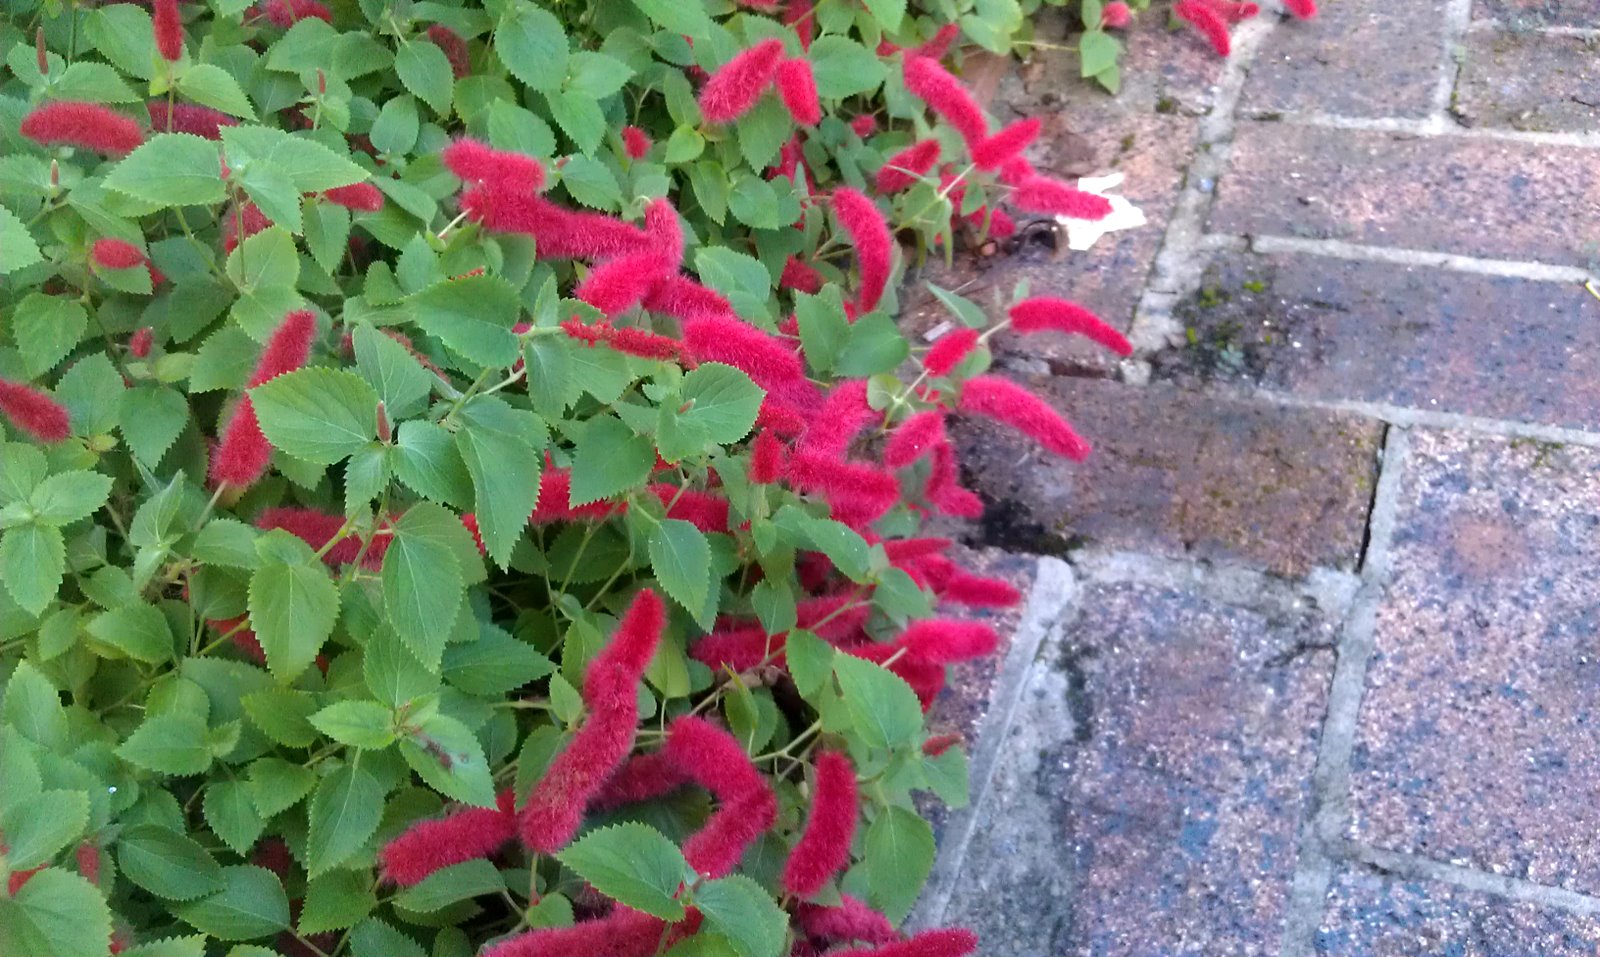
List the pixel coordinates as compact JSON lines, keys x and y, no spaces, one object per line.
{"x":1477,"y":197}
{"x":1539,"y":13}
{"x":1529,"y":81}
{"x":1373,"y":915}
{"x":1182,"y":474}
{"x":1148,"y":798}
{"x":1413,"y":336}
{"x":1476,"y":738}
{"x":1357,"y":58}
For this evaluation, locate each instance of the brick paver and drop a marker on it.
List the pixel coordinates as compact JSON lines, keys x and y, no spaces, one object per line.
{"x":1540,"y":13}
{"x":1529,"y":81}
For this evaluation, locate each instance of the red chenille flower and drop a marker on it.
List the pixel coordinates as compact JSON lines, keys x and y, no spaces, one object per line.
{"x":642,"y":777}
{"x":87,"y":125}
{"x":34,"y":411}
{"x":939,"y":44}
{"x":764,"y":357}
{"x":851,"y":920}
{"x":862,"y":219}
{"x":364,"y":197}
{"x":706,"y":511}
{"x":734,"y":89}
{"x":716,"y":761}
{"x":914,"y":438}
{"x":635,"y":142}
{"x":800,"y":277}
{"x":842,"y":417}
{"x":610,"y":694}
{"x":243,"y":453}
{"x":824,"y":846}
{"x":949,"y":349}
{"x":902,"y":170}
{"x":1232,"y":11}
{"x":286,"y":13}
{"x":1207,"y":22}
{"x":561,"y":233}
{"x":995,"y":151}
{"x":454,"y":48}
{"x":863,"y":125}
{"x":622,"y":933}
{"x":140,"y":342}
{"x":947,"y":942}
{"x":1302,"y":9}
{"x":766,"y":458}
{"x":1046,"y":313}
{"x":618,"y":285}
{"x":1115,"y":15}
{"x":465,"y":835}
{"x":476,"y":162}
{"x":188,"y":118}
{"x":946,"y":96}
{"x":1041,"y":194}
{"x":168,"y":29}
{"x":797,"y":87}
{"x":109,"y":253}
{"x":944,"y":641}
{"x":965,"y":588}
{"x":1005,"y":401}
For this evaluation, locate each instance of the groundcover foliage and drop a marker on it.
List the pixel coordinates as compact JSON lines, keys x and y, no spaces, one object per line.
{"x":461,"y":480}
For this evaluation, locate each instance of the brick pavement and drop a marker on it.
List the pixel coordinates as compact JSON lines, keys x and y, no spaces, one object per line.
{"x":1311,"y":664}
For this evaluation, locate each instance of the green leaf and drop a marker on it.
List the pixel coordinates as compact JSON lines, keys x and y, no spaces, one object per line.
{"x":550,"y":374}
{"x":426,"y":459}
{"x":167,"y":864}
{"x":1097,"y":52}
{"x":888,"y":13}
{"x":472,"y":315}
{"x":969,"y":312}
{"x":139,"y":631}
{"x":494,"y":664}
{"x":883,"y":708}
{"x":55,"y":914}
{"x":123,"y":34}
{"x":722,"y":400}
{"x":345,"y":812}
{"x":360,"y":724}
{"x":580,"y":117}
{"x":810,"y":662}
{"x":763,"y":131}
{"x":395,"y":129}
{"x":17,"y":248}
{"x":46,"y":328}
{"x":824,"y":327}
{"x":388,"y":367}
{"x":251,"y":904}
{"x":755,"y":203}
{"x":230,"y":811}
{"x":392,"y":673}
{"x":947,"y":776}
{"x":172,"y":743}
{"x":875,"y":345}
{"x":278,"y":785}
{"x":631,"y":863}
{"x":505,"y":481}
{"x":522,"y":131}
{"x":310,"y":166}
{"x":319,"y":415}
{"x":899,"y":855}
{"x":293,"y":604}
{"x":681,"y":558}
{"x":687,"y":17}
{"x":22,"y":468}
{"x":94,"y":82}
{"x":844,"y":67}
{"x":171,"y":169}
{"x":590,"y":182}
{"x":422,"y":582}
{"x":374,"y":938}
{"x":327,"y":228}
{"x":448,"y":756}
{"x":334,"y":901}
{"x":684,"y":144}
{"x":151,"y":418}
{"x":425,"y":71}
{"x":739,"y":909}
{"x":532,"y":45}
{"x":271,"y":189}
{"x":32,"y":560}
{"x":66,"y":497}
{"x":41,"y":826}
{"x":192,"y":946}
{"x":597,"y":74}
{"x":227,"y":542}
{"x":282,"y":715}
{"x":215,"y":87}
{"x":609,"y":460}
{"x":33,"y":706}
{"x":456,"y":883}
{"x":741,"y":278}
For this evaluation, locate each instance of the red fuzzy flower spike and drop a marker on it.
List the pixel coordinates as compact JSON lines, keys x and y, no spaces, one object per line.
{"x":645,"y":345}
{"x":766,"y":458}
{"x":364,"y":197}
{"x":842,"y":417}
{"x":864,"y":125}
{"x":714,"y":759}
{"x":824,"y":846}
{"x":944,"y":641}
{"x":1232,"y":11}
{"x":286,"y":13}
{"x":1207,"y":22}
{"x":610,"y":694}
{"x":801,"y":15}
{"x":1302,"y":9}
{"x":1005,"y":401}
{"x":800,"y":277}
{"x":243,"y":452}
{"x":466,"y":835}
{"x":764,"y":357}
{"x":500,"y":170}
{"x":797,"y":87}
{"x":454,"y":48}
{"x":902,"y":170}
{"x":168,"y":29}
{"x":635,"y":142}
{"x":34,"y":411}
{"x":852,"y":920}
{"x":939,"y":44}
{"x":734,"y":89}
{"x":140,"y":342}
{"x":997,"y":150}
{"x":109,"y":253}
{"x":976,"y":591}
{"x":666,"y":233}
{"x":1115,"y":15}
{"x":948,"y":942}
{"x":317,"y":529}
{"x":240,"y":223}
{"x":561,"y":233}
{"x":945,"y":95}
{"x":622,"y":933}
{"x":948,"y":351}
{"x":706,"y":511}
{"x":87,"y":125}
{"x":862,"y":219}
{"x":618,"y":285}
{"x":1045,"y":313}
{"x":643,"y":778}
{"x":1041,"y":194}
{"x":187,"y":118}
{"x":914,"y":438}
